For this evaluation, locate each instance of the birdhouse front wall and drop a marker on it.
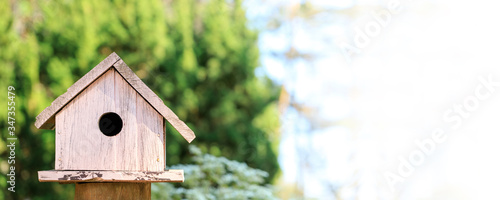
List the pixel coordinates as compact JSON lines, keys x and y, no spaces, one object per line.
{"x":81,"y":143}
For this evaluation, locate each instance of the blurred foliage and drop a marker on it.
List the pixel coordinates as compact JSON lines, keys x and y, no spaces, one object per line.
{"x":212,"y":177}
{"x":198,"y":56}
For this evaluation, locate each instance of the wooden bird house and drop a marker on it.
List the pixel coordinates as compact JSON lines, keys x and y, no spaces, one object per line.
{"x":110,"y":127}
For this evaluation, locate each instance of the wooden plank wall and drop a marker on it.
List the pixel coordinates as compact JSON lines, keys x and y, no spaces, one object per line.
{"x":80,"y":145}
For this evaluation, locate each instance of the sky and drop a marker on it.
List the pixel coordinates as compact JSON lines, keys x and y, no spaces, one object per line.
{"x":412,"y":112}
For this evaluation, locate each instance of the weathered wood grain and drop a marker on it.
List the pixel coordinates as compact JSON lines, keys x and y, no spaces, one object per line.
{"x":110,"y":176}
{"x":45,"y":120}
{"x":154,"y":100}
{"x":127,"y":108}
{"x":111,"y":191}
{"x":149,"y":125}
{"x":80,"y":145}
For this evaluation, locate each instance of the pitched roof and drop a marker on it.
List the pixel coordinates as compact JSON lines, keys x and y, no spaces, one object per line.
{"x":46,"y":119}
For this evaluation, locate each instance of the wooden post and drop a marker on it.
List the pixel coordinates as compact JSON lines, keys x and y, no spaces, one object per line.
{"x":91,"y":191}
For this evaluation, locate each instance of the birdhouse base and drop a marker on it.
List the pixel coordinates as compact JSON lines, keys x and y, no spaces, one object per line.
{"x":110,"y":176}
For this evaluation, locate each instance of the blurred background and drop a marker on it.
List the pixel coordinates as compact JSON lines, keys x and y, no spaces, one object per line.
{"x":313,"y":99}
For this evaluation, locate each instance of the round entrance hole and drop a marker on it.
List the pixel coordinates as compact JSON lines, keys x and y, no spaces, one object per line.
{"x":110,"y":124}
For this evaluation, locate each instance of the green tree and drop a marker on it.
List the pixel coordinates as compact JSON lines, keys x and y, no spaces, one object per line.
{"x":199,"y":56}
